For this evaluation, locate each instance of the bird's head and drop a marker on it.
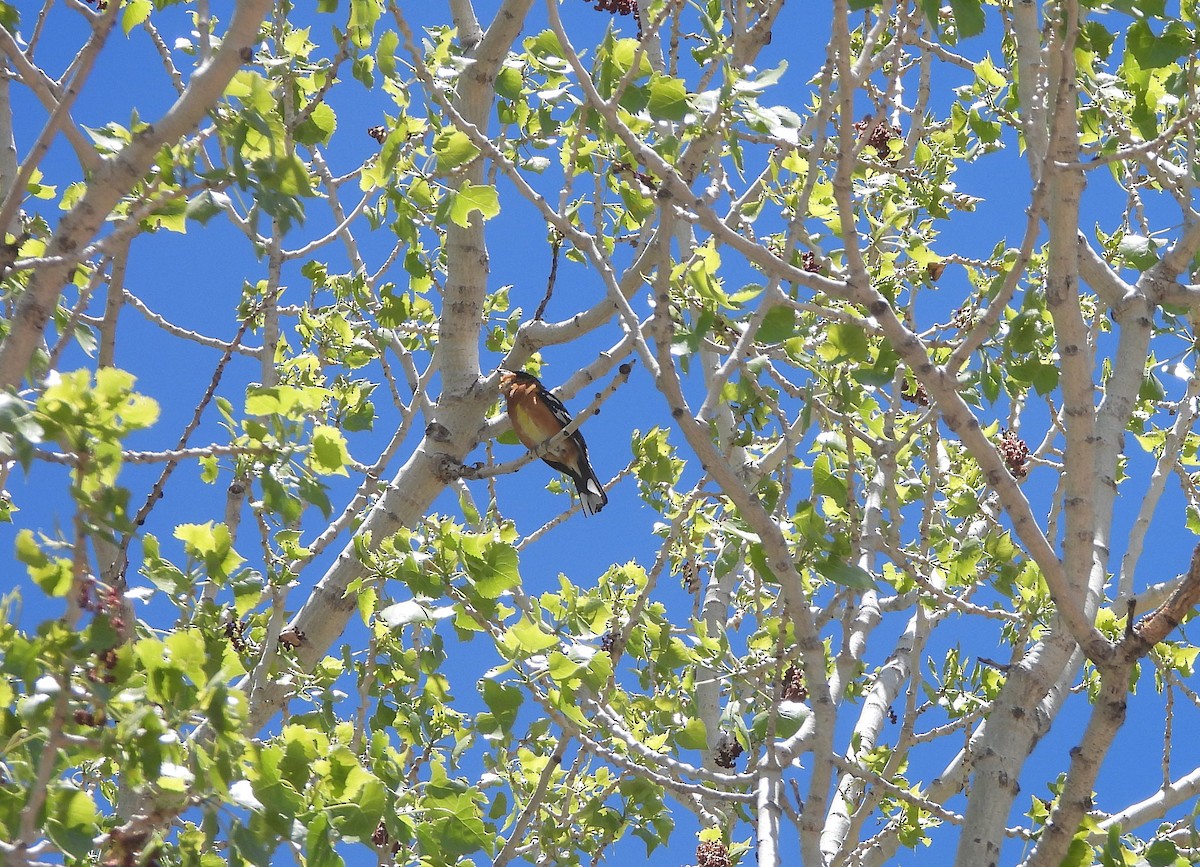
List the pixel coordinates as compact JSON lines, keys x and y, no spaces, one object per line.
{"x":511,"y":378}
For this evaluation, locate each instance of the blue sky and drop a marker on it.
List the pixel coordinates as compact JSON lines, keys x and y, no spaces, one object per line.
{"x":196,"y":280}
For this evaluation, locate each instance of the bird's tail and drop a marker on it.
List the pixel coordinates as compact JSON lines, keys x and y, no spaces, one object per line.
{"x":591,"y":491}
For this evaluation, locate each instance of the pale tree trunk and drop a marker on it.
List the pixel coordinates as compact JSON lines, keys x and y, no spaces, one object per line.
{"x":8,"y":146}
{"x":457,"y":420}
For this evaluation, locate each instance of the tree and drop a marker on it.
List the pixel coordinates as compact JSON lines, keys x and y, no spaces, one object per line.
{"x":878,"y":446}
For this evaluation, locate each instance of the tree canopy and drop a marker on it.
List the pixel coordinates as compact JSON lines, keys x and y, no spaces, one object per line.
{"x":889,"y":310}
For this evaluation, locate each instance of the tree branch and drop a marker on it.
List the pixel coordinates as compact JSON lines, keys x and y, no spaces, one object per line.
{"x":115,"y":178}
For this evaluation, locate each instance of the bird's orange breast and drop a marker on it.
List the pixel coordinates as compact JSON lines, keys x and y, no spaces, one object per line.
{"x":532,"y":435}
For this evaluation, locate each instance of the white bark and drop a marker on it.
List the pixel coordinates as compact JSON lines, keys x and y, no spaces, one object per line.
{"x":458,"y":417}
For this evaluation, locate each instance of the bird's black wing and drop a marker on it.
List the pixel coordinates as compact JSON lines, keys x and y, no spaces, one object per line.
{"x":587,"y":484}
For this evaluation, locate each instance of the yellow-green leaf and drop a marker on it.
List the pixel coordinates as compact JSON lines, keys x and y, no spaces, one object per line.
{"x":668,"y":98}
{"x":526,"y":637}
{"x":52,"y":574}
{"x":473,"y":198}
{"x":329,"y":454}
{"x":385,"y":53}
{"x":453,"y":148}
{"x":136,"y":11}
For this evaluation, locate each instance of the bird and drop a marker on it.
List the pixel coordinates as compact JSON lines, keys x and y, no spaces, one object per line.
{"x":536,"y":416}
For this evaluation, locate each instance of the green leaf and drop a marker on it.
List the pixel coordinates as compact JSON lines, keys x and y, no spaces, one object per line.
{"x":318,"y":849}
{"x":656,"y":461}
{"x":503,"y":702}
{"x":623,"y":53}
{"x":71,"y":820}
{"x":1098,"y":38}
{"x":491,"y":565}
{"x":668,"y":98}
{"x":406,"y":613}
{"x":527,"y":638}
{"x":1161,"y":853}
{"x":826,"y":483}
{"x":205,"y":205}
{"x":135,"y":12}
{"x":847,"y":574}
{"x":1045,"y":379}
{"x":287,"y":176}
{"x":762,"y":80}
{"x":545,"y":46}
{"x":758,"y":559}
{"x":35,"y":187}
{"x":1139,"y":251}
{"x":968,"y":17}
{"x":452,"y":824}
{"x":469,"y":199}
{"x":385,"y":53}
{"x":693,"y":736}
{"x":563,"y":670}
{"x":363,"y":16}
{"x":362,"y":797}
{"x":883,"y":370}
{"x":789,"y":716}
{"x":363,"y":70}
{"x":509,"y":83}
{"x":52,"y":574}
{"x":318,"y":127}
{"x":844,"y":342}
{"x":1079,"y":854}
{"x":163,"y":574}
{"x":329,"y":455}
{"x":284,"y":400}
{"x":1153,"y":52}
{"x":187,"y":653}
{"x":988,"y":75}
{"x":212,"y":544}
{"x":598,"y":671}
{"x":777,"y":326}
{"x":453,"y":148}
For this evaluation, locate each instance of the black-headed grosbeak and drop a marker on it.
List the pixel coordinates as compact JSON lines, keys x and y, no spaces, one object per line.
{"x":536,"y":416}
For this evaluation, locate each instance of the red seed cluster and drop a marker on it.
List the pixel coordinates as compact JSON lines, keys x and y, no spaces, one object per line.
{"x":793,"y":685}
{"x":880,"y":135}
{"x":91,"y":718}
{"x":690,"y":570}
{"x":380,"y":835}
{"x":620,"y":7}
{"x":105,"y":662}
{"x":728,"y":750}
{"x":381,"y":838}
{"x":235,"y":632}
{"x":964,"y":318}
{"x":915,"y":393}
{"x":1015,"y":453}
{"x":617,"y":7}
{"x":102,"y":599}
{"x":712,"y":853}
{"x":619,"y":167}
{"x":610,"y":641}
